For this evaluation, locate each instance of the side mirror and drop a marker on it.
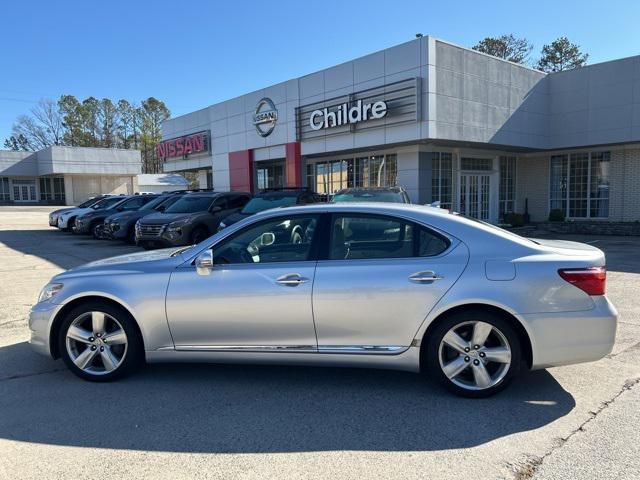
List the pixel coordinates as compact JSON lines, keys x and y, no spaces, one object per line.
{"x":161,"y":208}
{"x":215,"y":209}
{"x":267,"y":238}
{"x":204,"y":262}
{"x":120,"y":209}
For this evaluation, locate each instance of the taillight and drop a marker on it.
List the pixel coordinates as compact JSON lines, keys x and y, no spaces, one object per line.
{"x":590,"y":280}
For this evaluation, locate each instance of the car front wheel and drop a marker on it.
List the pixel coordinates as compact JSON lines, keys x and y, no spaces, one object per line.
{"x":99,"y":342}
{"x":473,"y":353}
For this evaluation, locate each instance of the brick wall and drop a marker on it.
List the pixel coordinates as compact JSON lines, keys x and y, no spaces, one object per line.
{"x":624,"y":185}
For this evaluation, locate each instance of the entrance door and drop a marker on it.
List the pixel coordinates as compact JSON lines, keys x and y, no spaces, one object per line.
{"x":270,"y":174}
{"x":24,"y":191}
{"x":475,"y":190}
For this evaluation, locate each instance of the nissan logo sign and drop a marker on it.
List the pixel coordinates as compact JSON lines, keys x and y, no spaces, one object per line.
{"x":265,"y":117}
{"x":343,"y":114}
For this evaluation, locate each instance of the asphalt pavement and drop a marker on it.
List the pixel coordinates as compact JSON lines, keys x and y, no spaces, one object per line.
{"x":215,"y":421}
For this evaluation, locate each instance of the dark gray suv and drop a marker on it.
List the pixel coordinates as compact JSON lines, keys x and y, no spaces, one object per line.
{"x":193,"y":218}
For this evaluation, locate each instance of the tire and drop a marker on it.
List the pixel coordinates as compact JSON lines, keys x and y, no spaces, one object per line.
{"x":477,"y":376}
{"x":198,"y":235}
{"x":123,"y":358}
{"x":94,"y":229}
{"x":70,"y":224}
{"x":131,"y":236}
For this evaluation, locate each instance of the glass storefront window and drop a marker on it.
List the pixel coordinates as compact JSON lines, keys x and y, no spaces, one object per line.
{"x":507,"y":193}
{"x":442,"y":178}
{"x":579,"y":184}
{"x":270,"y":174}
{"x":372,"y":171}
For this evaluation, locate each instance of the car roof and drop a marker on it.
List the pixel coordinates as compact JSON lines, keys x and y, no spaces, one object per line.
{"x":370,"y":189}
{"x":482,"y":235}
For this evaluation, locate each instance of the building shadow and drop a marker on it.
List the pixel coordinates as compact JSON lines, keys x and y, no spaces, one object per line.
{"x":62,"y":249}
{"x":251,"y":409}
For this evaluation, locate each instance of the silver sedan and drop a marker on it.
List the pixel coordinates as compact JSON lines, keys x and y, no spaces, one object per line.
{"x":363,"y":285}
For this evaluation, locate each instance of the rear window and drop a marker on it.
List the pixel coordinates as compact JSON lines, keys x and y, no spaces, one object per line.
{"x":107,"y":203}
{"x":190,"y":204}
{"x":368,"y":196}
{"x":258,"y":204}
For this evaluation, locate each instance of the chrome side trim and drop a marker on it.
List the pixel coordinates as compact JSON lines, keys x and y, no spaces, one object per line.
{"x":248,"y":348}
{"x":348,"y":349}
{"x":363,"y":349}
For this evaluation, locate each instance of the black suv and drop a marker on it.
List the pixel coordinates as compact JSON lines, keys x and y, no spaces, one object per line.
{"x":193,"y":218}
{"x":272,"y":198}
{"x":373,"y":194}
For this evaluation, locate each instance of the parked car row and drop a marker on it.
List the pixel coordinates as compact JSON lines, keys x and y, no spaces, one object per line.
{"x":188,"y":217}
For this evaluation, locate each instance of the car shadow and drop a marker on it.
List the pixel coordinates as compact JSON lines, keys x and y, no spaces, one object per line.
{"x":252,"y":409}
{"x":62,"y":249}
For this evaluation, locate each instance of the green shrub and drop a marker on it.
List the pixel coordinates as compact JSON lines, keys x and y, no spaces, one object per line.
{"x":514,"y":219}
{"x":556,"y":215}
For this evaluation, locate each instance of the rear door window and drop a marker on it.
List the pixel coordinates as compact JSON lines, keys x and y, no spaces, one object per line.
{"x":358,"y":236}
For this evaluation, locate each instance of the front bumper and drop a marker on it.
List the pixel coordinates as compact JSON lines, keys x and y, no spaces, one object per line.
{"x":40,"y":319}
{"x":53,"y":220}
{"x":564,"y":338}
{"x":81,"y":226}
{"x":159,"y":236}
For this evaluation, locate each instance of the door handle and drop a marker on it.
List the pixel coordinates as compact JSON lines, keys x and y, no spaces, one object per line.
{"x":427,"y":276}
{"x":291,"y":280}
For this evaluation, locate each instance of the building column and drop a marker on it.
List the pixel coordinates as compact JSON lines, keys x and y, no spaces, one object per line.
{"x":68,"y":190}
{"x":293,"y":164}
{"x":241,"y":170}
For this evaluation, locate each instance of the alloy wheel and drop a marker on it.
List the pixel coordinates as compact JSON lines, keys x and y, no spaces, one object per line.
{"x":96,"y":343}
{"x":474,"y":355}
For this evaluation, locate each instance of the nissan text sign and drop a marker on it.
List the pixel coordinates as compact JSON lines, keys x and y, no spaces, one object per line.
{"x":183,"y":146}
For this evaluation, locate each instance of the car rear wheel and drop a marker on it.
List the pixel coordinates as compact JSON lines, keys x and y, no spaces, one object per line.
{"x":473,"y":353}
{"x":99,"y":342}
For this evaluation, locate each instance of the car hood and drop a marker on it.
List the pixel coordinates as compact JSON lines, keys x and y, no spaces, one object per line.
{"x":126,"y":216}
{"x":165,"y":218}
{"x":128,"y":262}
{"x":77,"y":211}
{"x":62,"y":210}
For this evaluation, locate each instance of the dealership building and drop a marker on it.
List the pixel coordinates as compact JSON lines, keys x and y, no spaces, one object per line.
{"x":478,"y":134}
{"x":66,"y":175}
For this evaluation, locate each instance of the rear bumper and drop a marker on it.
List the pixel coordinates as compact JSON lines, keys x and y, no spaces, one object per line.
{"x":565,"y":338}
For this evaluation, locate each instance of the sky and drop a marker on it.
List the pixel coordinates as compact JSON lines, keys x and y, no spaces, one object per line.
{"x":191,"y":54}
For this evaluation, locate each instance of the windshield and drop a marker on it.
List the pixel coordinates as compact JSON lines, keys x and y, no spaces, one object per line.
{"x":258,"y":204}
{"x":190,"y":204}
{"x":106,"y":203}
{"x":153,"y":203}
{"x":368,"y":196}
{"x":88,"y":203}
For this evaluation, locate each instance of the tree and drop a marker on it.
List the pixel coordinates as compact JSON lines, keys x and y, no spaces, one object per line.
{"x":17,"y":143}
{"x":152,"y":113}
{"x":507,"y":47}
{"x":42,"y":128}
{"x":93,"y":123}
{"x":561,"y":55}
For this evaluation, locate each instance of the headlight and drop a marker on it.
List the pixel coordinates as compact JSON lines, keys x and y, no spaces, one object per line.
{"x":177,"y":224}
{"x":50,"y":290}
